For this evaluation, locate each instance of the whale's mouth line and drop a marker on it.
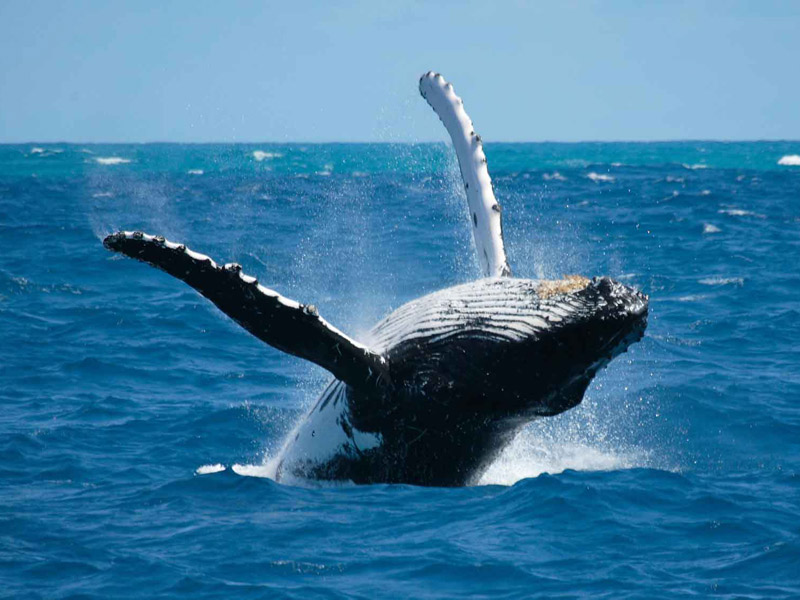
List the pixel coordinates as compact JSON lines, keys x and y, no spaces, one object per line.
{"x":623,"y":340}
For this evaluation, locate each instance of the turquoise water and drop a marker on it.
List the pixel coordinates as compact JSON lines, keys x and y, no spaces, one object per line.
{"x":678,"y":475}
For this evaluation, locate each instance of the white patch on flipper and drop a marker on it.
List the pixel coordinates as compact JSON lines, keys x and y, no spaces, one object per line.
{"x":484,"y":211}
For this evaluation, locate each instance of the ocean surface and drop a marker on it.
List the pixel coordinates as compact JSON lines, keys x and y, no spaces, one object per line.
{"x":136,"y":419}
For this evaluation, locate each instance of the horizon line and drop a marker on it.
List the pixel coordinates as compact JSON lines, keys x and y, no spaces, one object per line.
{"x":389,"y":143}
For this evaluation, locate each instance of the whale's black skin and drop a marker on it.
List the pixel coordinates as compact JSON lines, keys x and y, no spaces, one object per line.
{"x":445,"y":382}
{"x":461,"y":392}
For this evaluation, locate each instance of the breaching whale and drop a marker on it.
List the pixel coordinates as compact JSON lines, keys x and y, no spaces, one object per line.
{"x":446,"y":381}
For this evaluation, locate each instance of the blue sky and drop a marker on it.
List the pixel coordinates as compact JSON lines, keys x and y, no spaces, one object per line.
{"x":347,"y":71}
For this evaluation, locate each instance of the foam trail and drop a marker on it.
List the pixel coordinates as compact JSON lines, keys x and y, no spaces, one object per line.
{"x":600,"y":177}
{"x":260,"y":155}
{"x":209,"y":469}
{"x":111,"y":160}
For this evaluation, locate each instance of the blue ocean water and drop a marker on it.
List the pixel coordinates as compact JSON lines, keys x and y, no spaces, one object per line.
{"x":678,"y":475}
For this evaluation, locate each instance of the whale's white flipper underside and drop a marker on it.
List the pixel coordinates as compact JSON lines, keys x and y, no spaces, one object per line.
{"x":280,"y":322}
{"x":483,"y":207}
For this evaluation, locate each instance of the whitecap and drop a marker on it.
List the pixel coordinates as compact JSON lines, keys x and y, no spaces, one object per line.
{"x":738,"y":281}
{"x":790,"y":160}
{"x":705,"y":193}
{"x":195,"y":171}
{"x":694,"y":167}
{"x":266,"y":470}
{"x":599,"y":177}
{"x":709,"y":228}
{"x":111,"y":160}
{"x":260,"y":155}
{"x":691,"y":298}
{"x":555,"y":175}
{"x":738,"y":212}
{"x":37,"y":150}
{"x":209,"y":469}
{"x":102,"y":195}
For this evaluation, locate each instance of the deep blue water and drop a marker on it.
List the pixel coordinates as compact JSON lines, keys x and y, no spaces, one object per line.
{"x":678,"y":475}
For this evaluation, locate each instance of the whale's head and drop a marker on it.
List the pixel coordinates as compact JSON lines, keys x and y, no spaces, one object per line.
{"x":590,"y":321}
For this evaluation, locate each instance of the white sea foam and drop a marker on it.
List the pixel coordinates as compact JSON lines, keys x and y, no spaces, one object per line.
{"x":738,"y":212}
{"x":111,"y":160}
{"x":195,"y":171}
{"x":694,"y":167}
{"x":790,"y":160}
{"x":102,"y":195}
{"x":738,"y":281}
{"x":705,"y":193}
{"x":260,"y":155}
{"x":45,"y":151}
{"x":530,"y":456}
{"x":599,"y":177}
{"x":554,"y":176}
{"x":266,"y":470}
{"x":209,"y":469}
{"x":709,"y":228}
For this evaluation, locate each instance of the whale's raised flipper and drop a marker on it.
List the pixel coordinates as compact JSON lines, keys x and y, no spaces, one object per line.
{"x":285,"y":324}
{"x":483,"y":206}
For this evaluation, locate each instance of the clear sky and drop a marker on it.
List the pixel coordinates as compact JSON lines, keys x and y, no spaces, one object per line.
{"x":347,"y":71}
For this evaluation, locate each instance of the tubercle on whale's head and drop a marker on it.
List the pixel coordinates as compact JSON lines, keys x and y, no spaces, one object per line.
{"x":591,"y":322}
{"x":613,"y":316}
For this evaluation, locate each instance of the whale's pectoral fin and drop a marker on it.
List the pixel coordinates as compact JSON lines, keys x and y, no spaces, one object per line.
{"x":280,"y":322}
{"x":484,"y":210}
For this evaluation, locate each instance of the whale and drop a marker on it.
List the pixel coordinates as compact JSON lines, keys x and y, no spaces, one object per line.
{"x":439,"y":387}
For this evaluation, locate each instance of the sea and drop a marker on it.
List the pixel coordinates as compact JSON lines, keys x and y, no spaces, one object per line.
{"x":136,"y":420}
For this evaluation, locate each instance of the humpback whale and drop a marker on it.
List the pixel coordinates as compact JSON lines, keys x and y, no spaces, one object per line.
{"x":441,"y":385}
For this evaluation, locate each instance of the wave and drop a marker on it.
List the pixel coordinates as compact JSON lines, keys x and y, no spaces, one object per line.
{"x":737,"y":281}
{"x":694,"y":167}
{"x":208,"y":469}
{"x":600,"y":177}
{"x":555,"y":175}
{"x":43,"y":152}
{"x":738,"y":212}
{"x":709,"y":228}
{"x":790,"y":160}
{"x":111,"y":160}
{"x":195,"y":171}
{"x":260,"y":155}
